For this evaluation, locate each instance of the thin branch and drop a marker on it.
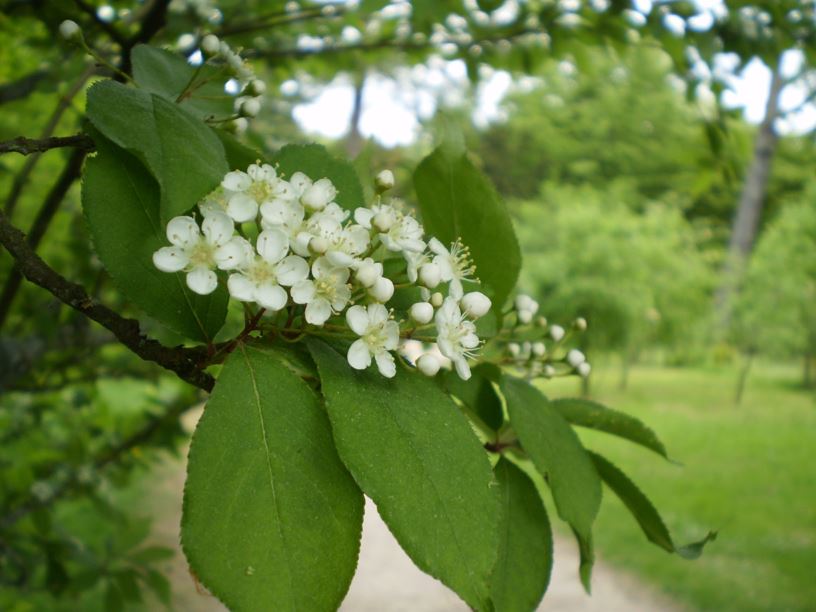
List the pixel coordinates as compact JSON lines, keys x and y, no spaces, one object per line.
{"x":21,"y":87}
{"x":184,"y":362}
{"x":27,"y":146}
{"x":108,"y":27}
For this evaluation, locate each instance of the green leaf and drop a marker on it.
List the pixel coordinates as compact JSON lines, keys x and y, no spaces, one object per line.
{"x":556,"y":452}
{"x":121,"y":205}
{"x":182,"y":153}
{"x":159,"y":585}
{"x":586,"y":413}
{"x":412,"y":451}
{"x":151,"y":554}
{"x":126,"y":580}
{"x":168,"y":74}
{"x":239,"y":156}
{"x":524,"y":562}
{"x":477,"y":394}
{"x":457,"y":201}
{"x":271,"y":518}
{"x":644,"y":512}
{"x":316,"y":163}
{"x":586,"y":551}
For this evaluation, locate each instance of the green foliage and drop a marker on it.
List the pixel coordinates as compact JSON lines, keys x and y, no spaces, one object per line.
{"x":271,"y":517}
{"x":556,"y":452}
{"x":415,"y":456}
{"x":457,"y":202}
{"x":525,"y":558}
{"x":184,"y":156}
{"x":121,"y":204}
{"x":478,"y":394}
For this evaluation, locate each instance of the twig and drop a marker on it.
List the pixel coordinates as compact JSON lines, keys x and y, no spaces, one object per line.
{"x":184,"y":362}
{"x":27,"y":146}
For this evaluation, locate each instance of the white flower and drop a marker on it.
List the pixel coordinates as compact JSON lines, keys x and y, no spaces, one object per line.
{"x":327,"y":224}
{"x":319,"y":194}
{"x":69,"y":29}
{"x":584,"y":369}
{"x":526,"y":307}
{"x":414,"y":262}
{"x":456,"y":336}
{"x":476,"y":304}
{"x":455,"y":265}
{"x":539,"y":349}
{"x":210,"y":45}
{"x":262,"y":278}
{"x":430,"y":275}
{"x":378,"y":336}
{"x":198,"y":255}
{"x":421,"y":312}
{"x":246,"y":191}
{"x":384,"y":181}
{"x":398,"y":231}
{"x":557,"y":332}
{"x":382,"y":290}
{"x":428,"y":364}
{"x":575,"y":358}
{"x":368,"y":272}
{"x":327,"y":293}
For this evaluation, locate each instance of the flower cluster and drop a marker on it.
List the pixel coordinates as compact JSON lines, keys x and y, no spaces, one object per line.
{"x":286,"y":245}
{"x":533,"y":357}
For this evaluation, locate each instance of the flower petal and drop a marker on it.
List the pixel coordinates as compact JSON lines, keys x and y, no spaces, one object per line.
{"x":236,"y":253}
{"x":359,"y":357}
{"x":291,"y":270}
{"x":385,"y":364}
{"x":300,"y":182}
{"x":241,"y":288}
{"x":462,"y":368}
{"x":318,"y":311}
{"x":218,"y":228}
{"x":242,"y":207}
{"x":377,"y":314}
{"x":272,"y":245}
{"x":437,"y":247}
{"x":363,"y":216}
{"x":455,"y":290}
{"x":236,"y":181}
{"x":182,"y":231}
{"x":391,"y":329}
{"x":271,"y":296}
{"x":303,"y":292}
{"x":357,"y":318}
{"x":170,"y":259}
{"x":201,"y":280}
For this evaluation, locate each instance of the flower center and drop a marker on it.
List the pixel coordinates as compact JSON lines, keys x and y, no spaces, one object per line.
{"x":460,"y":260}
{"x":326,"y":286}
{"x":261,"y":272}
{"x":260,"y":191}
{"x":202,"y":254}
{"x":375,"y":336}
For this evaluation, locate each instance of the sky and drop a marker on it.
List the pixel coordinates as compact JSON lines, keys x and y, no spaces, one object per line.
{"x":394,"y":106}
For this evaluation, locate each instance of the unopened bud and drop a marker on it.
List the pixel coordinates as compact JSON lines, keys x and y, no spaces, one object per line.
{"x":476,"y":304}
{"x":382,"y":222}
{"x":383,"y":289}
{"x":539,"y":349}
{"x":584,"y":369}
{"x":421,"y":312}
{"x":580,"y":324}
{"x":368,"y":272}
{"x":437,"y":299}
{"x":541,"y":322}
{"x":69,"y":30}
{"x":250,"y":107}
{"x":384,"y":181}
{"x":428,"y":364}
{"x":256,"y":87}
{"x":575,"y":358}
{"x":557,"y":333}
{"x":210,"y":45}
{"x":549,"y":371}
{"x":239,"y":125}
{"x":514,"y":349}
{"x":318,"y":245}
{"x":430,"y":275}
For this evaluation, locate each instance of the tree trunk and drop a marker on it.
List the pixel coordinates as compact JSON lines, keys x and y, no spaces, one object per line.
{"x":743,"y":378}
{"x":749,"y":208}
{"x":354,"y":139}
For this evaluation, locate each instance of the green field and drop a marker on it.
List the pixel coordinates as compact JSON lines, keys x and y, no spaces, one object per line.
{"x":748,"y":471}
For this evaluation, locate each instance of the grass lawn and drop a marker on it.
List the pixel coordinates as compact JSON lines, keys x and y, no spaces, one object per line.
{"x":748,"y":471}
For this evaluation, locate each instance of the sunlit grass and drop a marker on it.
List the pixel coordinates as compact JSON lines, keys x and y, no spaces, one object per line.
{"x":748,"y":471}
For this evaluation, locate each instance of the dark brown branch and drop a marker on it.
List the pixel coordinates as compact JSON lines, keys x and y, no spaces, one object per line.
{"x":183,"y":362}
{"x":22,"y":87}
{"x":27,"y":146}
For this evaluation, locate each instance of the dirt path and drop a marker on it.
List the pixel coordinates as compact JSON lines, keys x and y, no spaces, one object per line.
{"x":387,"y":581}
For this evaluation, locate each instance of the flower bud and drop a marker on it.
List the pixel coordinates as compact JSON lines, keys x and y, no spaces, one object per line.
{"x":210,"y":45}
{"x":383,"y":290}
{"x":541,"y":322}
{"x":526,"y":349}
{"x":539,"y":349}
{"x":421,"y":312}
{"x":383,"y":222}
{"x":580,"y":324}
{"x":514,"y":349}
{"x":430,"y":275}
{"x":557,"y":332}
{"x":476,"y":304}
{"x":318,"y":245}
{"x":368,"y":272}
{"x":69,"y":30}
{"x":437,"y":299}
{"x":575,"y":358}
{"x":238,"y":125}
{"x":384,"y":181}
{"x":584,"y":369}
{"x":428,"y":364}
{"x":256,"y":87}
{"x":549,"y":371}
{"x":250,"y":107}
{"x":318,"y":195}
